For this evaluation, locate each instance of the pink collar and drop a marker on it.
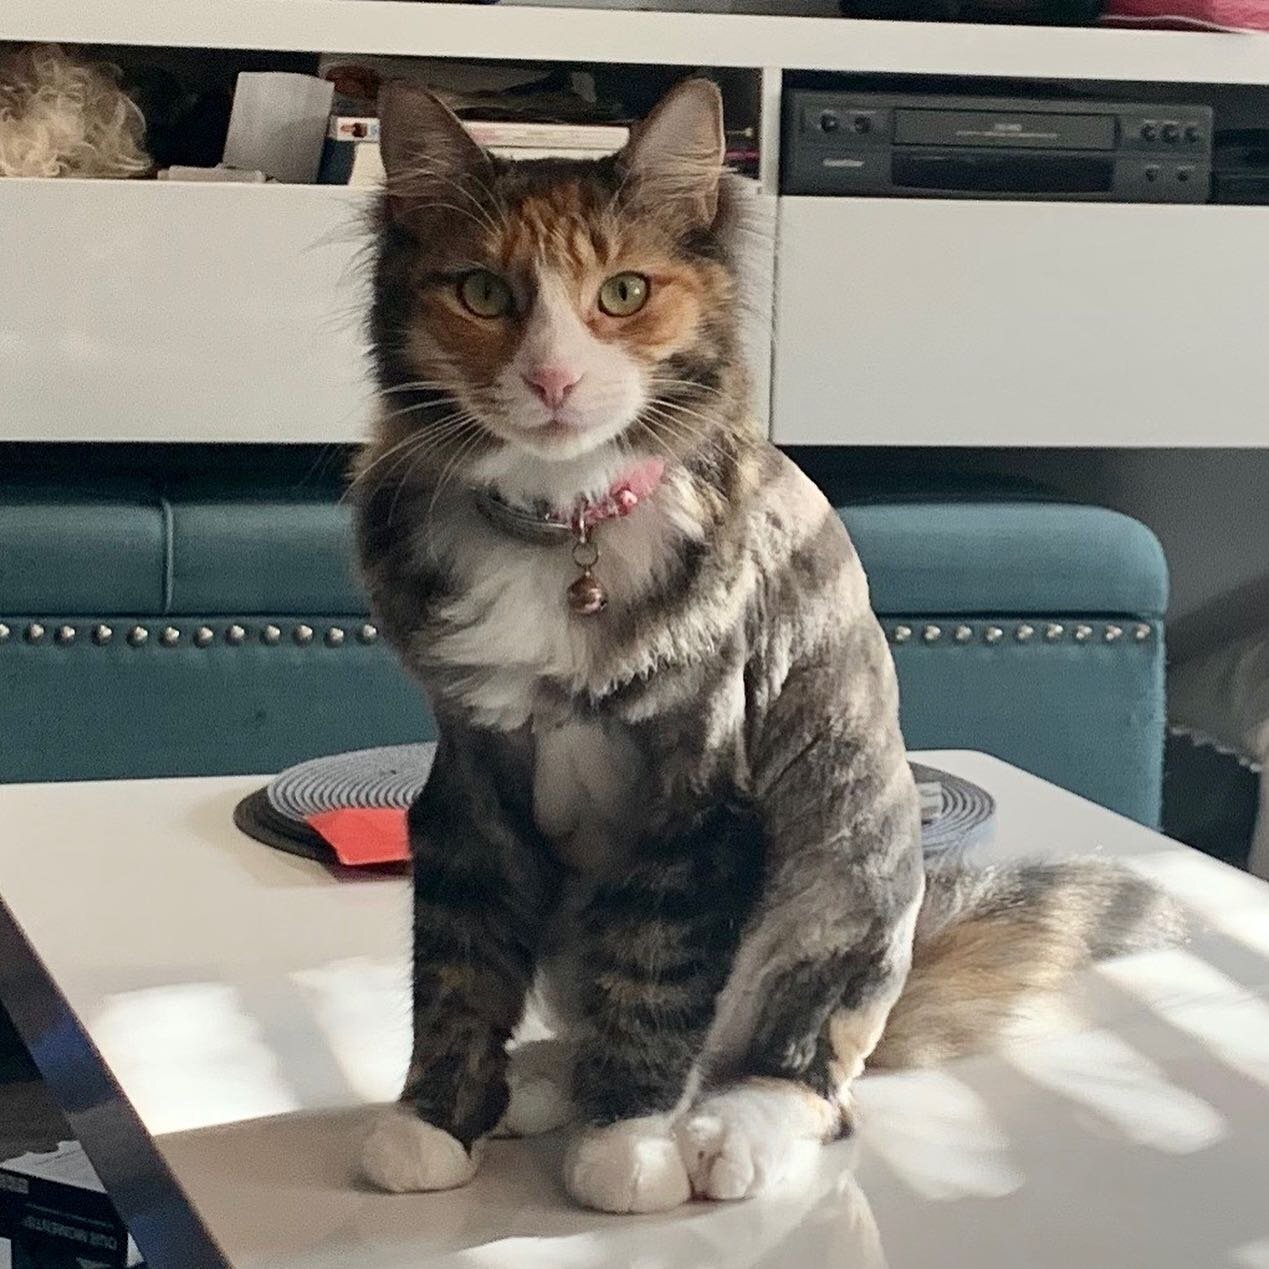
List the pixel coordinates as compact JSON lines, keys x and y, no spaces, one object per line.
{"x":550,"y":524}
{"x":623,"y":496}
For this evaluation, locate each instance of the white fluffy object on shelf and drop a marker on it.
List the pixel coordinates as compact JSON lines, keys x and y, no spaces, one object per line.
{"x":60,"y":116}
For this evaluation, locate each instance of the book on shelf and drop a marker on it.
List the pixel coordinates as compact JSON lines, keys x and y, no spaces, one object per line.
{"x":591,"y":138}
{"x":351,"y":156}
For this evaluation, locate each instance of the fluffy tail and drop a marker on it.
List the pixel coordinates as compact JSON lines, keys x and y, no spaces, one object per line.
{"x":992,"y":944}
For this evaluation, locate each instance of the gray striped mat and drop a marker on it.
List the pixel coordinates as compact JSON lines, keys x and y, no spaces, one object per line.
{"x":954,"y":812}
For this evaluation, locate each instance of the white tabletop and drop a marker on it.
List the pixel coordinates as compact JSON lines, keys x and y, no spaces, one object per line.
{"x":248,"y":1005}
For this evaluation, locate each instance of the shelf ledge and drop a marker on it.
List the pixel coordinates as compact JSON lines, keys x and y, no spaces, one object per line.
{"x":531,"y":33}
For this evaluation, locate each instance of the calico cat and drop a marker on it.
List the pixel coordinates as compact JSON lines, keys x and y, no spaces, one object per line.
{"x":670,"y":796}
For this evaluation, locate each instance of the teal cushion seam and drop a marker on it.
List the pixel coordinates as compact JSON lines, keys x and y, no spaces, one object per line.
{"x":169,"y":552}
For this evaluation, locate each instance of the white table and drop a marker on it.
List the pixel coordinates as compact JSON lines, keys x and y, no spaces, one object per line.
{"x":244,"y":1007}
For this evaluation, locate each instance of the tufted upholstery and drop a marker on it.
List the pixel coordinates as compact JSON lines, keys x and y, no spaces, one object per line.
{"x":165,"y":614}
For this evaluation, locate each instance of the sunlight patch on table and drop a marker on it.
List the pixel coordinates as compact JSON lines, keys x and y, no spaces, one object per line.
{"x":190,"y":1055}
{"x":363,"y":1010}
{"x":937,"y":1134}
{"x":1228,"y":1019}
{"x":1124,"y":1088}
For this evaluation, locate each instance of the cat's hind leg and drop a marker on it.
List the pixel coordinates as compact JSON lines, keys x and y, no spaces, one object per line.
{"x":540,"y":1082}
{"x":814,"y":1025}
{"x":755,"y":1136}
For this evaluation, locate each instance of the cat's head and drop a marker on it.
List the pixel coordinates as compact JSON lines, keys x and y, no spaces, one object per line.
{"x":550,"y":308}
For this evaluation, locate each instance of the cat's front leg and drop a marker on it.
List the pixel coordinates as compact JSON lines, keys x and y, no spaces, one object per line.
{"x":482,"y":888}
{"x":656,"y":947}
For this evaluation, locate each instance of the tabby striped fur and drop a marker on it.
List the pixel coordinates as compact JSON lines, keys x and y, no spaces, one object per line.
{"x":688,"y":821}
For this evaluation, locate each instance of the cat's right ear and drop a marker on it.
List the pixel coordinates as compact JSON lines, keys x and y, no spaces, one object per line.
{"x":426,"y":153}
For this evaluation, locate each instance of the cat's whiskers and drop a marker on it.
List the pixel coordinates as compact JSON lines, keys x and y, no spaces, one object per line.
{"x":432,"y":172}
{"x":463,"y":451}
{"x":651,"y":434}
{"x":669,"y":429}
{"x":685,"y":410}
{"x":441,"y":403}
{"x":457,"y":436}
{"x":686,"y":431}
{"x":661,"y":381}
{"x":434,"y":438}
{"x":480,"y":224}
{"x":442,"y":430}
{"x":417,"y":385}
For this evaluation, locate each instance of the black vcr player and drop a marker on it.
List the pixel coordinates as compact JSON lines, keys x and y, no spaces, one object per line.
{"x":913,"y":146}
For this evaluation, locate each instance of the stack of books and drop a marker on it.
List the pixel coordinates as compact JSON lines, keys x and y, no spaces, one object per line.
{"x":351,"y":156}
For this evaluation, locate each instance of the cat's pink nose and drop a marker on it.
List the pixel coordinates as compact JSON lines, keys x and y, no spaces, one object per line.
{"x":552,"y":384}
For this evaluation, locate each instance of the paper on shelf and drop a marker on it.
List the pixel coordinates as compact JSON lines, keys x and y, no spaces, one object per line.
{"x":278,"y":124}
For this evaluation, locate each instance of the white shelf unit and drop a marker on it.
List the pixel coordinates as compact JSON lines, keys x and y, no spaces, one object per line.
{"x":163,"y":311}
{"x":532,"y":33}
{"x":188,"y":312}
{"x":156,"y":311}
{"x":921,"y":322}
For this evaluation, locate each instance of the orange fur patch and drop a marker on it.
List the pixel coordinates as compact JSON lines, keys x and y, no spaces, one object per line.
{"x":570,"y":230}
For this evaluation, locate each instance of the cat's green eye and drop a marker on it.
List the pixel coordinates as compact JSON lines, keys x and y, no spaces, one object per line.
{"x":484,"y":293}
{"x":624,"y":294}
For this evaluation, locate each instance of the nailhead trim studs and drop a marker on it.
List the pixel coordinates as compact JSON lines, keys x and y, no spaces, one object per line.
{"x":236,"y":635}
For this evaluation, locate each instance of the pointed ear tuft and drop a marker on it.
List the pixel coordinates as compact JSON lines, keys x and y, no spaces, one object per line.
{"x":426,"y":151}
{"x":676,"y":153}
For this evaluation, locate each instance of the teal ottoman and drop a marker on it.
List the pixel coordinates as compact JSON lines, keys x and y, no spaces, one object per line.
{"x":168,"y":615}
{"x":1029,"y":629}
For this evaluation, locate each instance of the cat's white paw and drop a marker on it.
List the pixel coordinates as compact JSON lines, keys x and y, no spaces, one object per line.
{"x":536,"y":1106}
{"x":631,"y":1166}
{"x":752,"y":1139}
{"x":539,"y":1078}
{"x":403,"y":1154}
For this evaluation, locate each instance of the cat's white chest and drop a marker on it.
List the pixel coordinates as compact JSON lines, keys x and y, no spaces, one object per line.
{"x":510,"y":632}
{"x":586,"y":780}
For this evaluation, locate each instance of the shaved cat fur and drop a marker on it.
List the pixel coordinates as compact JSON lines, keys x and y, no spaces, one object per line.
{"x":685,"y":824}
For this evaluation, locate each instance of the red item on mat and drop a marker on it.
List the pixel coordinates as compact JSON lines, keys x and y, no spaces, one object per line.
{"x":361,"y":835}
{"x":1219,"y":15}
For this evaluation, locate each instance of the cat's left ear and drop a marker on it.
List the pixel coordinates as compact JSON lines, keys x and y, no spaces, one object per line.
{"x":676,"y":154}
{"x":426,"y":152}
